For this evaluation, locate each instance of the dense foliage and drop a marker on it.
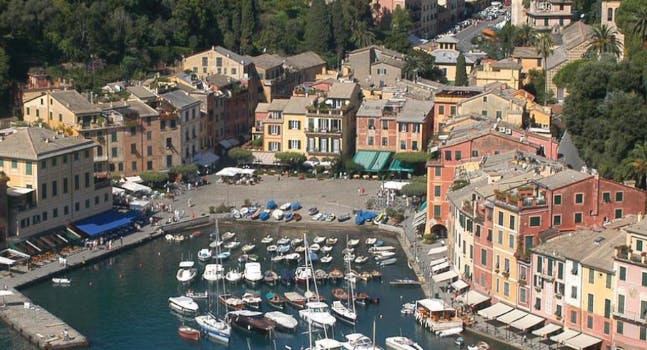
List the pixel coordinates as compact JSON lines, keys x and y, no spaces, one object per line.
{"x":240,"y":155}
{"x":292,"y":159}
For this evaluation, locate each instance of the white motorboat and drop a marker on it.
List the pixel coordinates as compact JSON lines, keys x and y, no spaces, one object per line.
{"x":346,"y":251}
{"x":228,"y":235}
{"x":196,"y":295}
{"x":370,"y":241}
{"x":384,"y":255}
{"x":302,"y":274}
{"x":326,"y":344}
{"x":216,"y":243}
{"x":267,"y":239}
{"x":61,"y":281}
{"x":383,"y":248}
{"x":387,"y":262}
{"x":300,"y":249}
{"x":271,"y":248}
{"x":327,"y":248}
{"x":277,"y":214}
{"x":169,"y":237}
{"x":297,"y":241}
{"x":253,"y":273}
{"x":352,"y":242}
{"x":235,"y":213}
{"x":401,"y":343}
{"x":283,"y":241}
{"x":449,"y":332}
{"x":214,"y":328}
{"x":231,"y":245}
{"x":178,"y":238}
{"x":316,"y":314}
{"x":319,"y":240}
{"x":248,"y":248}
{"x":205,"y":254}
{"x":233,"y":276}
{"x":318,"y":216}
{"x":284,"y":322}
{"x":292,"y":257}
{"x":285,"y":206}
{"x":331,"y":240}
{"x":277,"y":258}
{"x":314,"y":247}
{"x":358,"y":341}
{"x":349,"y":257}
{"x":479,"y":346}
{"x":343,"y":313}
{"x":213,"y":272}
{"x":183,"y":305}
{"x":186,"y":273}
{"x":361,"y":259}
{"x":326,"y":259}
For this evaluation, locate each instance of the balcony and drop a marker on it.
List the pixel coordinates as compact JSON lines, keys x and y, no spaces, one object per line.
{"x":628,"y":316}
{"x":101,"y":158}
{"x":625,"y":253}
{"x":326,"y":110}
{"x":322,"y":131}
{"x":325,"y":153}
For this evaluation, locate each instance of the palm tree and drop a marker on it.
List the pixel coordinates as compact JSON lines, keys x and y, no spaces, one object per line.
{"x":361,"y":35}
{"x":603,"y":40}
{"x":544,"y":47}
{"x":638,"y":24}
{"x":635,"y":165}
{"x":524,"y":35}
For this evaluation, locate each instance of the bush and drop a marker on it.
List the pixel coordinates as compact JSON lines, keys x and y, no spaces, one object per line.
{"x":240,"y":155}
{"x":212,"y":209}
{"x":370,"y":204}
{"x":222,"y":208}
{"x":257,"y":142}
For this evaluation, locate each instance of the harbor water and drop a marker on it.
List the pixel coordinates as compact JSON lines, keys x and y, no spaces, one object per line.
{"x":122,"y":302}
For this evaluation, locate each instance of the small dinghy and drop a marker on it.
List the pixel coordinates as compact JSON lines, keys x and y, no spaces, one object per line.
{"x":267,"y":239}
{"x":339,"y":294}
{"x":295,"y":206}
{"x":248,"y":247}
{"x":319,"y":240}
{"x":196,"y":295}
{"x":288,"y":217}
{"x":370,"y":241}
{"x":276,"y":301}
{"x":252,"y":301}
{"x":61,"y":281}
{"x":331,"y":241}
{"x":183,"y":305}
{"x":326,"y":259}
{"x":270,"y":277}
{"x":228,"y":235}
{"x":233,"y":276}
{"x":327,"y":248}
{"x":188,"y":333}
{"x":271,"y":248}
{"x":313,"y":211}
{"x":232,"y":245}
{"x":286,"y":206}
{"x":297,"y":217}
{"x":283,"y":241}
{"x":361,"y":259}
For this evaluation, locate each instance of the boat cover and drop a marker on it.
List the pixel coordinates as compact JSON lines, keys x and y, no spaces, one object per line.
{"x":271,"y":204}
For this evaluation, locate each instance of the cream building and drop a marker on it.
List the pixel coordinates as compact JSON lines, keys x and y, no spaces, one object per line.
{"x":51,"y":179}
{"x":218,"y":60}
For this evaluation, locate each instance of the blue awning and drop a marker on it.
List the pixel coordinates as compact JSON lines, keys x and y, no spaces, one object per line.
{"x":107,"y":221}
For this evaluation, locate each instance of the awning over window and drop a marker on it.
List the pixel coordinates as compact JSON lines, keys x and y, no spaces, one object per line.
{"x":495,"y":311}
{"x":526,"y":322}
{"x":229,"y":143}
{"x":512,"y":316}
{"x":445,"y":276}
{"x":473,"y":298}
{"x":135,"y":179}
{"x":420,"y":218}
{"x":439,"y":267}
{"x":437,"y":261}
{"x":372,"y":161}
{"x":582,"y":341}
{"x":397,"y":165}
{"x":6,"y":261}
{"x":562,"y":337}
{"x":105,"y":222}
{"x":547,"y":329}
{"x":264,"y":158}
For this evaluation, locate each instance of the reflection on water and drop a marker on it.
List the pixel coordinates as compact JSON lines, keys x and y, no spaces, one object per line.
{"x":121,"y":302}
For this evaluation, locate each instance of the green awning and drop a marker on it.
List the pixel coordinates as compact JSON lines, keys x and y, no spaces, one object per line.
{"x":372,"y":161}
{"x":397,"y":165}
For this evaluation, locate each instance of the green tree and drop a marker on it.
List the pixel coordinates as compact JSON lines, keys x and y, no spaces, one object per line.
{"x":361,"y":36}
{"x":340,"y":27}
{"x":240,"y":155}
{"x":185,"y":171}
{"x":544,"y":47}
{"x":603,"y":41}
{"x":412,"y":157}
{"x":292,"y":159}
{"x":635,"y":165}
{"x":419,"y":63}
{"x":524,"y":35}
{"x":248,"y":23}
{"x":566,"y":75}
{"x":398,"y":38}
{"x":317,"y":31}
{"x":154,"y":177}
{"x":5,"y":83}
{"x":632,"y":21}
{"x":461,"y":71}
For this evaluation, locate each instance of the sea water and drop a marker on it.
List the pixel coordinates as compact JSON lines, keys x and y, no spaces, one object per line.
{"x":122,"y":302}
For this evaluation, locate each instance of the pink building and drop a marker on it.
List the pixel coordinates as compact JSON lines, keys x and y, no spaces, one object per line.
{"x":630,"y":311}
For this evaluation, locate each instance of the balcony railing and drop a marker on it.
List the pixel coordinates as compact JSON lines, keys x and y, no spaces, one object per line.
{"x":624,"y":253}
{"x":630,"y":316}
{"x":322,"y":131}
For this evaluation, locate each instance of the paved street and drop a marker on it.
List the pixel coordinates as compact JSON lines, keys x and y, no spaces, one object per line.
{"x":465,"y":36}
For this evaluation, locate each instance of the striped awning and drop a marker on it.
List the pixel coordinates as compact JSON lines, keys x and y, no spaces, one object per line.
{"x":526,"y":322}
{"x":449,"y":275}
{"x":562,"y":337}
{"x":547,"y":329}
{"x":495,"y":311}
{"x":512,"y":316}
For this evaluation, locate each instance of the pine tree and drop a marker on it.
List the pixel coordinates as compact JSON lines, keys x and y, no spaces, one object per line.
{"x":340,"y":27}
{"x":317,"y":32}
{"x":248,"y":24}
{"x":461,"y":71}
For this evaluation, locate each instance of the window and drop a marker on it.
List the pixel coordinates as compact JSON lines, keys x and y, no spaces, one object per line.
{"x":274,"y":129}
{"x":608,"y":281}
{"x":218,"y":61}
{"x":77,"y":206}
{"x":506,"y":289}
{"x":522,"y":295}
{"x":54,"y":188}
{"x":579,"y":198}
{"x":87,"y":179}
{"x":618,"y":213}
{"x":65,"y":159}
{"x":294,"y":125}
{"x":43,"y":164}
{"x":607,"y":327}
{"x":371,"y":124}
{"x":607,"y":308}
{"x":66,"y":210}
{"x":233,"y":70}
{"x":573,"y":292}
{"x":535,"y":221}
{"x":385,"y":125}
{"x":114,"y":152}
{"x":475,"y":153}
{"x":484,"y":98}
{"x":55,"y":212}
{"x":149,"y":135}
{"x":448,"y":155}
{"x":500,"y":218}
{"x":385,"y":141}
{"x":452,"y":110}
{"x":557,"y":220}
{"x":644,"y":281}
{"x":43,"y":191}
{"x":591,"y":276}
{"x":578,"y":218}
{"x":441,"y":110}
{"x":643,"y":309}
{"x":169,"y":161}
{"x":458,"y":155}
{"x":557,"y":199}
{"x":483,"y":257}
{"x":512,"y":222}
{"x":537,"y":303}
{"x":558,"y":311}
{"x":370,"y":141}
{"x":149,"y":150}
{"x":436,"y":211}
{"x":560,"y":270}
{"x":414,"y":145}
{"x":437,"y":191}
{"x":149,"y":165}
{"x":589,"y":322}
{"x":87,"y":203}
{"x":295,"y":144}
{"x":619,"y":196}
{"x":609,"y":15}
{"x":404,"y":127}
{"x":96,"y":200}
{"x":511,"y":241}
{"x":606,"y":197}
{"x":437,"y":171}
{"x":275,"y":146}
{"x":619,"y":327}
{"x":403,"y":144}
{"x":28,"y":169}
{"x":87,"y":154}
{"x":623,"y":273}
{"x":639,"y":245}
{"x":500,"y":237}
{"x":113,"y":137}
{"x":589,"y":306}
{"x":133,"y":165}
{"x":573,"y":317}
{"x":643,"y":333}
{"x":133,"y":148}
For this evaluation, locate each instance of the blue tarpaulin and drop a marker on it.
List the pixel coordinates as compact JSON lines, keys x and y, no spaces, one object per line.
{"x":271,"y":204}
{"x":264,"y":216}
{"x":363,"y":216}
{"x":296,"y":206}
{"x":101,"y":223}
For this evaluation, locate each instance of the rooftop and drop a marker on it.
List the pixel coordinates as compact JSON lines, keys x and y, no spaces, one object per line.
{"x":244,"y":60}
{"x":261,"y":107}
{"x":344,"y":91}
{"x":447,"y":39}
{"x":141,"y":92}
{"x":179,"y":99}
{"x":371,"y":108}
{"x":506,"y":63}
{"x":296,"y":105}
{"x":268,"y":61}
{"x":525,"y":52}
{"x":305,"y":60}
{"x":415,"y":111}
{"x":33,"y":143}
{"x":562,"y":178}
{"x":277,"y":104}
{"x":74,"y":101}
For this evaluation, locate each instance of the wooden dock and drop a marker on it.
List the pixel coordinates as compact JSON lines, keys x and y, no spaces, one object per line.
{"x":39,"y":326}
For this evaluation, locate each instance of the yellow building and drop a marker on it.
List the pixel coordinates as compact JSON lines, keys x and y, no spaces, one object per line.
{"x":62,"y":109}
{"x":51,"y":180}
{"x":529,"y":60}
{"x":504,"y":244}
{"x":294,"y":123}
{"x":495,"y":104}
{"x":218,"y":60}
{"x":539,"y":117}
{"x":506,"y":71}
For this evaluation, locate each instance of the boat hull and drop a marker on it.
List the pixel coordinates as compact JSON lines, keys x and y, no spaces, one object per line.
{"x":188,"y":333}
